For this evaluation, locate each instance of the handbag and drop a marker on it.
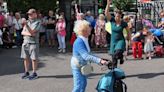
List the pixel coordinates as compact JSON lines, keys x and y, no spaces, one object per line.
{"x":85,"y":69}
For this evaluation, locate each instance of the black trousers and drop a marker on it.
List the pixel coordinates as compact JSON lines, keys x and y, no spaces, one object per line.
{"x":118,"y":55}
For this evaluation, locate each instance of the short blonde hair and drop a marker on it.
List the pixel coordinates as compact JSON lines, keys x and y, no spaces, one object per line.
{"x":101,"y":16}
{"x":81,"y":26}
{"x":126,"y":18}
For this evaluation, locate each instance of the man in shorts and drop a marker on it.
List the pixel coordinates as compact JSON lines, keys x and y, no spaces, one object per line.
{"x":30,"y":46}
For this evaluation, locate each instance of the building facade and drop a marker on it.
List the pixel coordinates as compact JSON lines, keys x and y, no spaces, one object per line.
{"x":152,"y":8}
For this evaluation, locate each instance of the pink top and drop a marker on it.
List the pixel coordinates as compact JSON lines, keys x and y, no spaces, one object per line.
{"x":61,"y":28}
{"x":2,"y":19}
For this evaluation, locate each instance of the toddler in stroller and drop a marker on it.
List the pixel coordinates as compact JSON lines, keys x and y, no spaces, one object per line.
{"x":158,"y":42}
{"x":112,"y":81}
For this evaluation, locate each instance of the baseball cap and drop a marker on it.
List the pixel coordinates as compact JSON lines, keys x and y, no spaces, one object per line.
{"x":30,"y":11}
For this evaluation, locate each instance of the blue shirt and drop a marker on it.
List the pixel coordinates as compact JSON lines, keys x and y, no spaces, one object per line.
{"x":156,"y":32}
{"x":90,"y":19}
{"x":81,"y":52}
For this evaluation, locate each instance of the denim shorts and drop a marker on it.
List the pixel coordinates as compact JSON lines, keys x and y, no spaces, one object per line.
{"x":50,"y":34}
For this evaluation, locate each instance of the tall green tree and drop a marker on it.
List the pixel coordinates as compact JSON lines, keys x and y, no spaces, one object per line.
{"x":24,"y":5}
{"x":123,"y":4}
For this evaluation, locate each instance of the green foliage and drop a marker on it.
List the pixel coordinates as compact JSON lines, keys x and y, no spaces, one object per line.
{"x":24,"y":5}
{"x":123,"y":4}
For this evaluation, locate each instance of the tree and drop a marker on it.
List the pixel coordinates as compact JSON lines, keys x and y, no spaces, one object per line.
{"x":24,"y":5}
{"x":125,"y":5}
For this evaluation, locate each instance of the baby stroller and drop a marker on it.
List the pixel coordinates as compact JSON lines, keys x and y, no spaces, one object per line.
{"x":112,"y":81}
{"x":158,"y":48}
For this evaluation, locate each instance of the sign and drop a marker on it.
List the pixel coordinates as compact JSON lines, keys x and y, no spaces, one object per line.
{"x":144,"y":1}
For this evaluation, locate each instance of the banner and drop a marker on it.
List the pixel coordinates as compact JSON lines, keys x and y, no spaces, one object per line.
{"x":144,"y":1}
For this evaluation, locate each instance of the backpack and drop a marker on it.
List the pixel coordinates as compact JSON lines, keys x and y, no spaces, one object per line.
{"x":119,"y":86}
{"x":112,"y":82}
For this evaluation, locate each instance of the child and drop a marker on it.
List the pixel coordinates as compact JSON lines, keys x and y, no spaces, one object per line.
{"x":61,"y":33}
{"x":137,"y":41}
{"x":148,"y":46}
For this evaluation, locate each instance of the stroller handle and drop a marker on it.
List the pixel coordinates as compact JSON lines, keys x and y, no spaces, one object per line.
{"x":110,"y":65}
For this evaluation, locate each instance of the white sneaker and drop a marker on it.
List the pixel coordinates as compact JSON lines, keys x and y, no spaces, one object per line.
{"x":149,"y":58}
{"x":105,"y":45}
{"x":64,"y":51}
{"x":60,"y":50}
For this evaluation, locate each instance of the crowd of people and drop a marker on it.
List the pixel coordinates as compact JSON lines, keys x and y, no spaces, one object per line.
{"x":105,"y":30}
{"x":52,"y":29}
{"x":117,"y":33}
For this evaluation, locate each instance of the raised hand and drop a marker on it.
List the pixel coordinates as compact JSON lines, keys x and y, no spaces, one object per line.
{"x":109,"y":2}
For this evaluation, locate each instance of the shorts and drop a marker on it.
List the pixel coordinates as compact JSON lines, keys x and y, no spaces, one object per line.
{"x":30,"y":50}
{"x":50,"y":34}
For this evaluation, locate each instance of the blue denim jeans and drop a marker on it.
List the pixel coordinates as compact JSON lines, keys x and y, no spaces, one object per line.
{"x":80,"y":81}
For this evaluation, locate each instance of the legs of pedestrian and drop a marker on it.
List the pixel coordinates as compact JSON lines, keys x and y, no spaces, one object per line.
{"x":50,"y":36}
{"x":34,"y":67}
{"x":139,"y":50}
{"x":60,"y":43}
{"x":134,"y":48}
{"x":80,"y":81}
{"x":149,"y":54}
{"x":63,"y":43}
{"x":26,"y":66}
{"x":114,"y":59}
{"x":97,"y":40}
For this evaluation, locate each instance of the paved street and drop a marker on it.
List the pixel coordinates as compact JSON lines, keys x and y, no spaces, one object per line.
{"x":55,"y":73}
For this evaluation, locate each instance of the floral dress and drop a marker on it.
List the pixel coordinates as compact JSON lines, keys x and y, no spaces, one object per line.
{"x":100,"y":33}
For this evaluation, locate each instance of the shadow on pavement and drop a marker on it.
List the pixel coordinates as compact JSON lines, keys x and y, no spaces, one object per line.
{"x":146,"y":76}
{"x":68,"y":76}
{"x":10,"y":62}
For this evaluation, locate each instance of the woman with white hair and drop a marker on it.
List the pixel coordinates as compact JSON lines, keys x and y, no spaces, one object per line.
{"x":100,"y":33}
{"x":82,"y":56}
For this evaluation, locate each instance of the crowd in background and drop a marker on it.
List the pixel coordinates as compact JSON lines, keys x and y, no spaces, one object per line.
{"x":53,"y":31}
